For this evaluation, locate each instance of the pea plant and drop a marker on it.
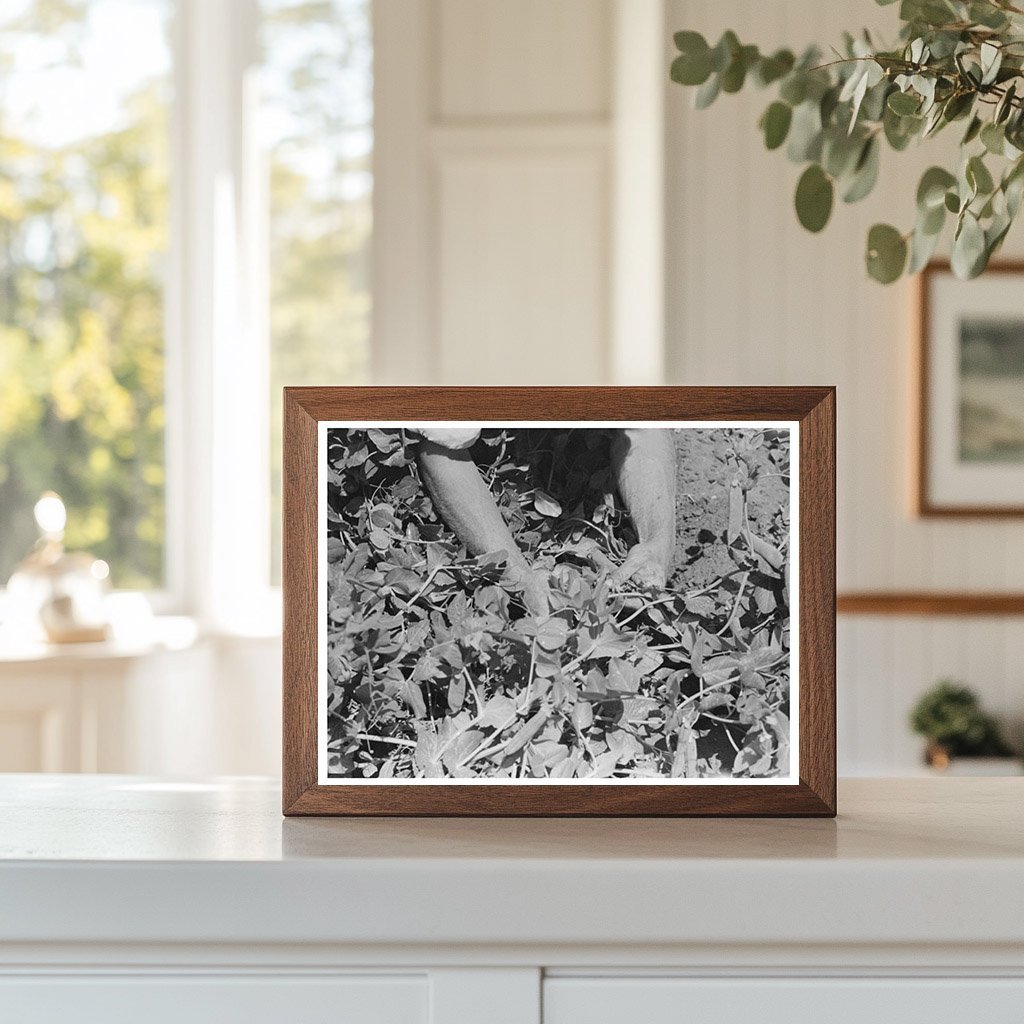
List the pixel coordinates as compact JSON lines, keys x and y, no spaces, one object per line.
{"x":957,"y":62}
{"x":436,"y":669}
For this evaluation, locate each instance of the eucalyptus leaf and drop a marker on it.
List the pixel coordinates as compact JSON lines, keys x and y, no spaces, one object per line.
{"x":904,"y":103}
{"x":724,"y":52}
{"x":978,"y":176}
{"x":707,"y":93}
{"x":973,"y":130}
{"x":805,"y":133}
{"x":991,"y":61}
{"x":865,"y":173}
{"x":922,"y":248}
{"x":993,"y":138}
{"x":814,"y":197}
{"x":886,"y":254}
{"x":775,"y":124}
{"x":934,"y":184}
{"x":771,"y":69}
{"x":968,"y":253}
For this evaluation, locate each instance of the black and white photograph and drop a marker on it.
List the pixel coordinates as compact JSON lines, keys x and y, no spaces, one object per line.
{"x":557,"y":602}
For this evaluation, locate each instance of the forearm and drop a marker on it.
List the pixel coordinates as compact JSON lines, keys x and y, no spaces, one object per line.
{"x":464,"y":501}
{"x":645,"y":468}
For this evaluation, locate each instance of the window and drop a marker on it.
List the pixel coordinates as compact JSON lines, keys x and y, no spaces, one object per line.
{"x":167,"y":264}
{"x":83,"y":235}
{"x":317,"y":116}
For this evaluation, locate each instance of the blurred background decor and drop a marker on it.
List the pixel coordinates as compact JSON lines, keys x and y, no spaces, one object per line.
{"x":971,"y":393}
{"x":962,"y":738}
{"x":54,"y":593}
{"x":252,"y":193}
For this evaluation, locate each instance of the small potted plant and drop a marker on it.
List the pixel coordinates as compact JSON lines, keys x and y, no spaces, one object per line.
{"x":950,"y":718}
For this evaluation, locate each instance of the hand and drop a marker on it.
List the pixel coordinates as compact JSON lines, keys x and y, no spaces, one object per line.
{"x":534,"y":585}
{"x":646,"y":565}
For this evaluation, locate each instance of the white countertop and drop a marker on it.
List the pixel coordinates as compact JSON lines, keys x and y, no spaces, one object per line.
{"x":122,"y":859}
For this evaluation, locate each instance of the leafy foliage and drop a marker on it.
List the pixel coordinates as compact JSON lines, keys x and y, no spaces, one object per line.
{"x":949,"y":715}
{"x":436,"y":668}
{"x":957,"y":61}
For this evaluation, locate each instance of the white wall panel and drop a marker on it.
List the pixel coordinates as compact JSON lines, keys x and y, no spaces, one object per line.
{"x":754,"y":299}
{"x":521,"y":283}
{"x":527,"y":58}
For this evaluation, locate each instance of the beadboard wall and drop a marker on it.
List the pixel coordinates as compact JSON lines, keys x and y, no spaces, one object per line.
{"x":754,"y":299}
{"x":550,"y":210}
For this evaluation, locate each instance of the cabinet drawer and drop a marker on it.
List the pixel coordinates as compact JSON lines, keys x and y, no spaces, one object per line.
{"x":202,"y":999}
{"x":667,"y":1000}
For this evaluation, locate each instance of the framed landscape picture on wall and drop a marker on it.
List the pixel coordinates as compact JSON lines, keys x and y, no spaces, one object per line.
{"x":590,"y":601}
{"x":970,"y":450}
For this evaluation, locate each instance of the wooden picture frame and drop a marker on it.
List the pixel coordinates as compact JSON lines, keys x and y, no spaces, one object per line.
{"x":810,"y":411}
{"x":935,"y":478}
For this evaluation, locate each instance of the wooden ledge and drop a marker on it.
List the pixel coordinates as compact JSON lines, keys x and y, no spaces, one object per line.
{"x":928,"y":603}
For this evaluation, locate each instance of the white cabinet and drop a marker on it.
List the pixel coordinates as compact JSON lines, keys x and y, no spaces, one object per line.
{"x":351,"y":999}
{"x":668,"y":1000}
{"x":128,"y":899}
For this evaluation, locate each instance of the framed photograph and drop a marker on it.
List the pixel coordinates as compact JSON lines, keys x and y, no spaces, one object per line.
{"x":970,"y":450}
{"x":559,"y":601}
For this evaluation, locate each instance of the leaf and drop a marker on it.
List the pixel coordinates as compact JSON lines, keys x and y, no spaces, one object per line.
{"x":993,"y":138}
{"x":403,"y":582}
{"x":775,"y":124}
{"x":755,"y":758}
{"x":714,"y":699}
{"x":460,"y":749}
{"x":771,"y":69}
{"x":931,"y":191}
{"x":410,"y":693}
{"x":693,"y":65}
{"x":552,"y":634}
{"x":735,"y":527}
{"x":527,"y":732}
{"x":866,"y":174}
{"x":922,"y":248}
{"x":887,"y":253}
{"x":499,"y":713}
{"x":583,"y":715}
{"x":703,"y":606}
{"x":805,"y":133}
{"x":991,"y":57}
{"x":707,"y":93}
{"x":545,"y":504}
{"x":622,"y":676}
{"x":903,"y":103}
{"x":978,"y":176}
{"x":457,"y":693}
{"x":968,"y":256}
{"x":814,"y":194}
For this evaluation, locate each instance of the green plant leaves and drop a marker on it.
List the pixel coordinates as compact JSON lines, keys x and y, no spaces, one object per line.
{"x":886,"y":253}
{"x":904,"y":103}
{"x":775,"y":124}
{"x":969,"y":251}
{"x":693,"y":65}
{"x":957,"y":60}
{"x":865,"y":172}
{"x":931,"y":191}
{"x":814,"y":197}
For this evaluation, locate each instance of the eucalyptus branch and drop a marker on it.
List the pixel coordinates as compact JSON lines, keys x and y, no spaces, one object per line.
{"x":956,"y":61}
